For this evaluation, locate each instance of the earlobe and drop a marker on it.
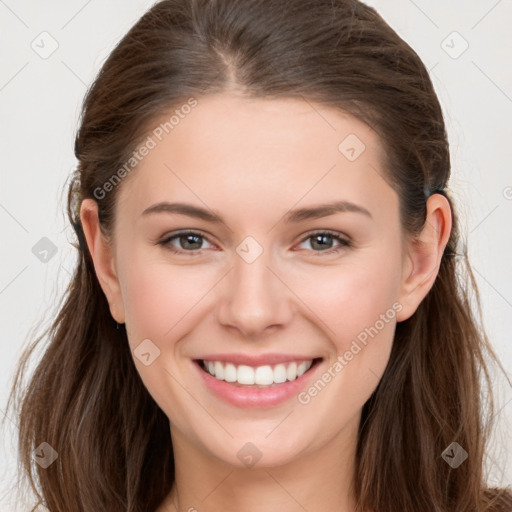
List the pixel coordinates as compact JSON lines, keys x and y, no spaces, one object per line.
{"x":102,"y":256}
{"x":423,"y":255}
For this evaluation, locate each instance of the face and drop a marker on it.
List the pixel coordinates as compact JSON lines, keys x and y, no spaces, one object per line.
{"x":259,"y":284}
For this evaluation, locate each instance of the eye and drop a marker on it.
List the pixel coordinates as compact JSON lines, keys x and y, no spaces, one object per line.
{"x":320,"y":239}
{"x":190,"y":242}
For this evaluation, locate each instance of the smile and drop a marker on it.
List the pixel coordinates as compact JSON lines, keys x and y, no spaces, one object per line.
{"x":257,"y":386}
{"x":257,"y":376}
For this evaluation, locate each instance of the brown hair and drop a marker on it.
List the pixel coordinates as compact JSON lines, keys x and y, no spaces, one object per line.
{"x":113,"y":441}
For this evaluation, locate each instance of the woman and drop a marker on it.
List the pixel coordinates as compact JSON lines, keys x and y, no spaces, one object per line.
{"x":314,"y":348}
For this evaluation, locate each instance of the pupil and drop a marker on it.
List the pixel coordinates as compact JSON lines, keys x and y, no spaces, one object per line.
{"x":322,"y":238}
{"x":191,"y":237}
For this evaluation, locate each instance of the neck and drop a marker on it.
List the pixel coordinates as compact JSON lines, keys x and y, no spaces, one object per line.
{"x":318,"y":480}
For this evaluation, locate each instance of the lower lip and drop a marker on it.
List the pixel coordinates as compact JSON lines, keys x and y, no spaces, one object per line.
{"x":255,"y":397}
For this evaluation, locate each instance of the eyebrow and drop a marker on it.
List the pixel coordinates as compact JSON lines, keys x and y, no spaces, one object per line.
{"x":293,"y":216}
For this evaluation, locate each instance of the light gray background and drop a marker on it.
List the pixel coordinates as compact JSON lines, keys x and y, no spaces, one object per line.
{"x":40,"y":100}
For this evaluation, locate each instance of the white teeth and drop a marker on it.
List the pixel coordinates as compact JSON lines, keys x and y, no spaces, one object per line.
{"x":219,"y":370}
{"x":264,"y":376}
{"x":279,"y":373}
{"x":244,"y":375}
{"x":230,"y":372}
{"x":300,"y":369}
{"x":291,"y":372}
{"x":260,"y":376}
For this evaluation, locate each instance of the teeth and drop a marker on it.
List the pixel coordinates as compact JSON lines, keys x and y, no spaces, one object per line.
{"x":219,"y":370}
{"x":244,"y":375}
{"x":230,"y":372}
{"x":264,"y":376}
{"x":260,"y":376}
{"x":291,"y":371}
{"x":301,"y":369}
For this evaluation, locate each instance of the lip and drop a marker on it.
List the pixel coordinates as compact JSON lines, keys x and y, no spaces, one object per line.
{"x":256,"y":360}
{"x":258,"y":398}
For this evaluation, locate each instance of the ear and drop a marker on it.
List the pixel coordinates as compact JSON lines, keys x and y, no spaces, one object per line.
{"x":102,"y":255}
{"x":423,"y":255}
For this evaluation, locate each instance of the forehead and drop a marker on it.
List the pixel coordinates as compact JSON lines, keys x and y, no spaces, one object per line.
{"x":229,"y":150}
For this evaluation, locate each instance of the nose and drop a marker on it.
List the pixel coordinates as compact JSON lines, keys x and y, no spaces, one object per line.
{"x":255,"y":298}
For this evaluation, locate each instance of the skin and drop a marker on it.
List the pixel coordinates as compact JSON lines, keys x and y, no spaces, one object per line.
{"x":252,"y":161}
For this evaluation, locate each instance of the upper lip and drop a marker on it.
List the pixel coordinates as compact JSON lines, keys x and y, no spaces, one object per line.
{"x":259,"y":360}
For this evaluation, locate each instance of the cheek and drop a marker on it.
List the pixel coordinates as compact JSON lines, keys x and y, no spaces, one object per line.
{"x":159,"y":301}
{"x":158,"y":297}
{"x":358,"y":304}
{"x":349,"y":297}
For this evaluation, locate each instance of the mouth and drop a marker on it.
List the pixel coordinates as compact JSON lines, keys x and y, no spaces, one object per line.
{"x":263,"y":376}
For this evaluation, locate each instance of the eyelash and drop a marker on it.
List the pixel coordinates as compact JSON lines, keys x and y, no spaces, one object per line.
{"x":344,"y":243}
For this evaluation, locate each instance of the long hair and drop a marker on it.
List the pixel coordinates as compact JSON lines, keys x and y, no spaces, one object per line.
{"x":85,"y":397}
